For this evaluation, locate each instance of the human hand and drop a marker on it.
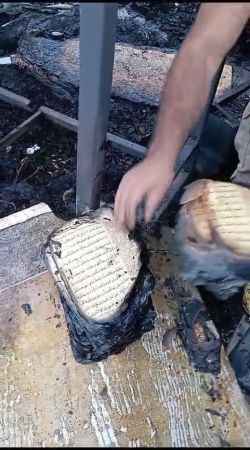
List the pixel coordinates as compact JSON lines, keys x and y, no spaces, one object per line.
{"x":147,"y":181}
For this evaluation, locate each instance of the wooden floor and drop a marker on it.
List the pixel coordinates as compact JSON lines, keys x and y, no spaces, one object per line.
{"x":146,"y":396}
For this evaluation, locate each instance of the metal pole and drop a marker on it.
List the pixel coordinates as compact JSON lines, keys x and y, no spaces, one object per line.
{"x":97,"y":41}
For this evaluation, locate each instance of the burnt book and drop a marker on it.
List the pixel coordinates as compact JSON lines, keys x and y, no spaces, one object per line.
{"x":104,"y":283}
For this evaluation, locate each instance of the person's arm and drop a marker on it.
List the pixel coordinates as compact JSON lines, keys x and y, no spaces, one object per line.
{"x":184,"y":97}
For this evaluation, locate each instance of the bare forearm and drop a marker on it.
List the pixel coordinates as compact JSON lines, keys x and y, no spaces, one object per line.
{"x":189,"y":80}
{"x":184,"y":98}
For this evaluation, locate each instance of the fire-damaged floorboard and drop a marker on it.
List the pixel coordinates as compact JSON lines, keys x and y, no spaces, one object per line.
{"x":148,"y":395}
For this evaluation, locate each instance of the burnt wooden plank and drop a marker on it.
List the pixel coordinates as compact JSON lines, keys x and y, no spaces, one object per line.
{"x":14,"y":134}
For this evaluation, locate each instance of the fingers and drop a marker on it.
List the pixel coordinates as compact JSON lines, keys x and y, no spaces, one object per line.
{"x":152,"y":202}
{"x":140,"y":182}
{"x":131,"y":207}
{"x":126,"y":201}
{"x":119,"y":207}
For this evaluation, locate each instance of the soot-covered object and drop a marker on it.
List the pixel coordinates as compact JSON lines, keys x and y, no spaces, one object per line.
{"x":213,"y":236}
{"x":104,"y":283}
{"x":199,"y":336}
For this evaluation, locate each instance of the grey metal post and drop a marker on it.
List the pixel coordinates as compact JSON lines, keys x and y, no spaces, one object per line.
{"x":97,"y":40}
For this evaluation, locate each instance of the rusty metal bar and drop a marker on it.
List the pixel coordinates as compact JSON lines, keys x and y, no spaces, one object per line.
{"x":97,"y":42}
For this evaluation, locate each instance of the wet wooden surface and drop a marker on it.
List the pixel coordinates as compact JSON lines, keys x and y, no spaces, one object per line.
{"x":149,"y":395}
